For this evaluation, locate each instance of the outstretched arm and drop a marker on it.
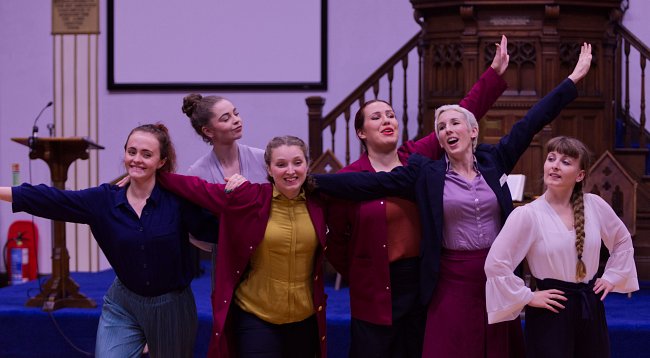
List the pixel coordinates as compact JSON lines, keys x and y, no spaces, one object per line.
{"x":5,"y":193}
{"x":478,"y":101}
{"x":367,"y":186}
{"x":196,"y":190}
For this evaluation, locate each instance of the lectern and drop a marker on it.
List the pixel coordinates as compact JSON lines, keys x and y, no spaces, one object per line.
{"x":60,"y":291}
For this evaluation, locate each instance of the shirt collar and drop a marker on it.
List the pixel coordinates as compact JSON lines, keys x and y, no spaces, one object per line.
{"x":278,"y":195}
{"x":448,"y":163}
{"x":154,"y":198}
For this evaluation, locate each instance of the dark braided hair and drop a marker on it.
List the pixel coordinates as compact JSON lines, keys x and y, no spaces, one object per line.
{"x":575,"y":149}
{"x":167,"y":151}
{"x":199,"y":110}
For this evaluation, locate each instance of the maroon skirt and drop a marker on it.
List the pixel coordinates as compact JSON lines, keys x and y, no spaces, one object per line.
{"x":457,"y":323}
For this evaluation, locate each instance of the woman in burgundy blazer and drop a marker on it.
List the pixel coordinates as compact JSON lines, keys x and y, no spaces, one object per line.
{"x":244,"y":214}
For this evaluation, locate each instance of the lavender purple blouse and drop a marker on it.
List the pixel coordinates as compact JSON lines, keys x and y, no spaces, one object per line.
{"x":472,"y":215}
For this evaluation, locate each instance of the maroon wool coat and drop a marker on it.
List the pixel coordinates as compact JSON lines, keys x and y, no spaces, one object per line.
{"x":243,"y":216}
{"x":357,"y":230}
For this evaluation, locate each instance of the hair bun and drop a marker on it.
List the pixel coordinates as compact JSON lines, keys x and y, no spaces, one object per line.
{"x":190,"y":102}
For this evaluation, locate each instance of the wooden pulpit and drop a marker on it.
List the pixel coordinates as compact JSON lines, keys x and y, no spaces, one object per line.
{"x":60,"y":291}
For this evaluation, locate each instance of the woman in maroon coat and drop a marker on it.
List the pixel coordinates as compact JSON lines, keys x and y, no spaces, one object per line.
{"x":269,"y":297}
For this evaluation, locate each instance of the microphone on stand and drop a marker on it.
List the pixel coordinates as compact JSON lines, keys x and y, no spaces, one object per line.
{"x":31,"y":141}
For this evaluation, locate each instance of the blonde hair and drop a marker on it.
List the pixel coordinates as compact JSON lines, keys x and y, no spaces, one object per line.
{"x":469,"y":117}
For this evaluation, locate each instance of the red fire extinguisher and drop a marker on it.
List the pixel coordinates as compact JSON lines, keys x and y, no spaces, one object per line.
{"x":20,"y":252}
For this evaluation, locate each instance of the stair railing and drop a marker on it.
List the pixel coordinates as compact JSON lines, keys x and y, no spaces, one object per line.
{"x":319,"y":124}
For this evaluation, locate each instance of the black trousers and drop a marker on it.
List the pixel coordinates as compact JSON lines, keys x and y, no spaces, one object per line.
{"x":258,"y":338}
{"x":405,"y":336}
{"x":578,"y":330}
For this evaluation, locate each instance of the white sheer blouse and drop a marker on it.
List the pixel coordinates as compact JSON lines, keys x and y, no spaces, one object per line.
{"x":536,"y":232}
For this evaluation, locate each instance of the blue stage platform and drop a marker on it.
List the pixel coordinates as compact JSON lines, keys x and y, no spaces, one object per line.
{"x":32,"y":333}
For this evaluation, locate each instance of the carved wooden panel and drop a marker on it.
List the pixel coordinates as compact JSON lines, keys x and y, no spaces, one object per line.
{"x":327,"y":163}
{"x":544,"y":41}
{"x":611,"y":181}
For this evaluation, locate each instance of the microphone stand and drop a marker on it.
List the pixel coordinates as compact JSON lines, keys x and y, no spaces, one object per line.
{"x":31,"y":141}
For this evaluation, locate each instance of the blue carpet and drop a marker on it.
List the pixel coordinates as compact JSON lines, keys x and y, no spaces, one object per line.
{"x":30,"y":332}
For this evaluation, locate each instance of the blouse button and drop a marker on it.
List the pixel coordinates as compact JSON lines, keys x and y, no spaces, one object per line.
{"x":387,"y":288}
{"x":322,"y":338}
{"x":320,"y":308}
{"x":225,"y":301}
{"x":237,"y":272}
{"x":217,"y":334}
{"x":251,"y":247}
{"x":381,"y":202}
{"x":384,"y":246}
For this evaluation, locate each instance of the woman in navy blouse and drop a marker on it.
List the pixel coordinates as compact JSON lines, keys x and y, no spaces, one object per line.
{"x":143,"y":231}
{"x":471,"y":182}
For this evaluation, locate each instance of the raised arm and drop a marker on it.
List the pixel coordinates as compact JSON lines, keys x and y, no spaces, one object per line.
{"x":514,"y":144}
{"x":478,"y":100}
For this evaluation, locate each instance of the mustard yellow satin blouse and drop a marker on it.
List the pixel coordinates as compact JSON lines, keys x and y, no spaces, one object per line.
{"x":278,"y":288}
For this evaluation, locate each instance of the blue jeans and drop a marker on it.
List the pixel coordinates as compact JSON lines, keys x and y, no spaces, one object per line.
{"x":166,"y":323}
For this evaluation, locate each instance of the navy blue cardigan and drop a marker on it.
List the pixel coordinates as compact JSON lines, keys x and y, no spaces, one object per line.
{"x":423,"y":179}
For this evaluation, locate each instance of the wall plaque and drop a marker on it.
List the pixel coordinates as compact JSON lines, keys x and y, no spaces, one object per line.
{"x":75,"y":17}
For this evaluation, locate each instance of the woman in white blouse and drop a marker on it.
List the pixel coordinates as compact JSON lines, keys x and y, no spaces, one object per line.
{"x":560,"y":236}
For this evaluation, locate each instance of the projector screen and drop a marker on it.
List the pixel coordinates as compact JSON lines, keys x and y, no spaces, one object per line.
{"x":217,"y":44}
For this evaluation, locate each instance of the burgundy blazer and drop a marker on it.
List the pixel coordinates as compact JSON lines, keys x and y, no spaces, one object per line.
{"x":357,"y":230}
{"x":243,"y":216}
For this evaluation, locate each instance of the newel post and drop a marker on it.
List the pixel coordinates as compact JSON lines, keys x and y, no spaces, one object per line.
{"x":315,"y":114}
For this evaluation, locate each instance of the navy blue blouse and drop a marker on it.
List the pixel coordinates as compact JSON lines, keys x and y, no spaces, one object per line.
{"x":150,"y":254}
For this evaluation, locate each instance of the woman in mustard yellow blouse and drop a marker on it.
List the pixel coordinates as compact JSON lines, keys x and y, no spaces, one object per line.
{"x":269,"y":298}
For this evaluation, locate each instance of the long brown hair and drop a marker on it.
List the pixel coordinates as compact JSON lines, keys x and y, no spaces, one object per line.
{"x":578,"y":150}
